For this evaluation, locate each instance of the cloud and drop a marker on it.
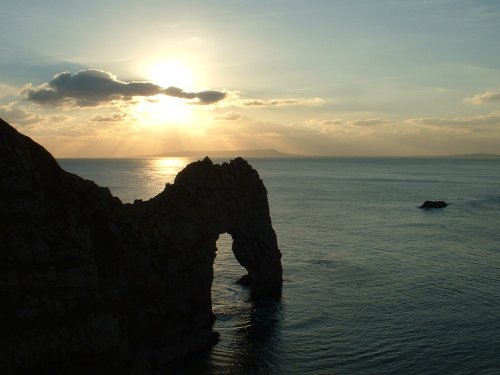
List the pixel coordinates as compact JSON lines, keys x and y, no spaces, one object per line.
{"x":337,"y":126}
{"x":268,"y":103}
{"x":59,"y":118}
{"x":237,"y":99}
{"x":367,"y":122}
{"x":113,"y":117}
{"x":204,"y":97}
{"x":334,"y":122}
{"x":195,"y":39}
{"x":18,"y":115}
{"x":229,"y":116}
{"x":465,"y":121}
{"x":280,"y":102}
{"x":91,"y":88}
{"x":325,"y":126}
{"x":487,"y":96}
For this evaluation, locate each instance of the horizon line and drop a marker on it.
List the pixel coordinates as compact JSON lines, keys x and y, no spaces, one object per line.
{"x":280,"y":155}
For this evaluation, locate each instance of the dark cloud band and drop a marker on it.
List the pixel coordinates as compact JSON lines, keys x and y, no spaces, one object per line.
{"x":90,"y":88}
{"x":204,"y":97}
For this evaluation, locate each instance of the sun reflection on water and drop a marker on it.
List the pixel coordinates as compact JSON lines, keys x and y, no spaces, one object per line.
{"x":167,"y":168}
{"x":157,"y":173}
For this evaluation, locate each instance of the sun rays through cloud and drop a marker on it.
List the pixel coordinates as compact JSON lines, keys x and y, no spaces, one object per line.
{"x":305,"y":79}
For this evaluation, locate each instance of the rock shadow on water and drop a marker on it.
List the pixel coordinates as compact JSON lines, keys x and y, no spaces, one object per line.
{"x":257,"y":343}
{"x":254,"y":346}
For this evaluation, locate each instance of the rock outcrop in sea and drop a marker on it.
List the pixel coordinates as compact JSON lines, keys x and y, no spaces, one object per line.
{"x":93,"y":286}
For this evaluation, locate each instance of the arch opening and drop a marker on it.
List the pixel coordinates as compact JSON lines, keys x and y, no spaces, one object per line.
{"x":226,"y":292}
{"x":231,"y":304}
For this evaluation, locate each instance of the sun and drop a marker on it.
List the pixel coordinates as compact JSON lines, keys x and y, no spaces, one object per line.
{"x":171,"y":73}
{"x":163,"y":109}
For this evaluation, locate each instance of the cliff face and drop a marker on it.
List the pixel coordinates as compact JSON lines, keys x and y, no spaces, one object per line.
{"x":91,"y":285}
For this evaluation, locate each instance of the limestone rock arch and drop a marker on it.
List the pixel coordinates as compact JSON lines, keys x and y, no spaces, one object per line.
{"x":91,"y":285}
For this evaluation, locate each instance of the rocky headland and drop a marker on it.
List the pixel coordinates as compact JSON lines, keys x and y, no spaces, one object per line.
{"x":93,"y":286}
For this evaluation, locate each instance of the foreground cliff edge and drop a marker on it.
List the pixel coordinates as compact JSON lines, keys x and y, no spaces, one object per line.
{"x":91,"y":285}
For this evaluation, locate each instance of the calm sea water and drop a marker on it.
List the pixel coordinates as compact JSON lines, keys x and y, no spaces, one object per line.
{"x":372,"y":284}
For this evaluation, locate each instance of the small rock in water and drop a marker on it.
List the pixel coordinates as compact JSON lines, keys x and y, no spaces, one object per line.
{"x":434,"y":204}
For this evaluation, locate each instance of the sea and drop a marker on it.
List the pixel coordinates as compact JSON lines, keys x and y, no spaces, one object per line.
{"x":372,"y":283}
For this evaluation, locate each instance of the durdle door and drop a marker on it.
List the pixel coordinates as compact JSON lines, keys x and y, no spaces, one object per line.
{"x":91,"y":285}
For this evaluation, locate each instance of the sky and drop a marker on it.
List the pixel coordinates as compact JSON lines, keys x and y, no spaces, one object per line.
{"x":331,"y":77}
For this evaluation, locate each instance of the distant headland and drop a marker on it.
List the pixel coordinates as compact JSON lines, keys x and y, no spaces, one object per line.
{"x":250,"y":153}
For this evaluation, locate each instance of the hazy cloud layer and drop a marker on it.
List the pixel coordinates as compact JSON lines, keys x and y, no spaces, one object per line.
{"x":330,"y":125}
{"x":338,"y":126}
{"x":113,"y":117}
{"x":59,"y":118}
{"x":17,"y":115}
{"x":367,"y":122}
{"x":91,"y":88}
{"x":254,"y":128}
{"x":330,"y":122}
{"x":465,"y":121}
{"x":325,"y":126}
{"x":340,"y":122}
{"x":484,"y":97}
{"x":280,"y":102}
{"x":229,"y":116}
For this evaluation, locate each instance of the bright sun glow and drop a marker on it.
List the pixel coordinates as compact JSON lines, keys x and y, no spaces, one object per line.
{"x":171,"y":73}
{"x":164,"y":109}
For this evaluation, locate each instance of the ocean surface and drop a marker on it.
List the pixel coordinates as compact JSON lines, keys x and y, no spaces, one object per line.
{"x":372,"y":283}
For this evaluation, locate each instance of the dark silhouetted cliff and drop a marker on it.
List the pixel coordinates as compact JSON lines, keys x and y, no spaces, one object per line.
{"x":90,"y":285}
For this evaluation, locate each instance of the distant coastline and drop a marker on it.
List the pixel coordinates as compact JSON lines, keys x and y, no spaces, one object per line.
{"x":250,"y":153}
{"x":465,"y":156}
{"x":476,"y":156}
{"x":274,"y":154}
